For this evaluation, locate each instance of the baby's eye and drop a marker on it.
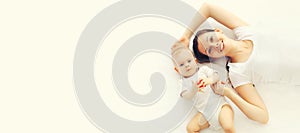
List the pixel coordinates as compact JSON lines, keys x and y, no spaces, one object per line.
{"x":189,"y":61}
{"x":181,"y":65}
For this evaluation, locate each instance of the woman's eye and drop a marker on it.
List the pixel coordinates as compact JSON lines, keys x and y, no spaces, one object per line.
{"x":209,"y":51}
{"x":211,"y":39}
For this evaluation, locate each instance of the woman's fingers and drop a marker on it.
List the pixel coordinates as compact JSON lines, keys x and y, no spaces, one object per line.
{"x":185,"y":41}
{"x":218,"y":88}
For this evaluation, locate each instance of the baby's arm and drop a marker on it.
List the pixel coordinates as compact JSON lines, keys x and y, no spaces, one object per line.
{"x":189,"y":93}
{"x":208,"y":76}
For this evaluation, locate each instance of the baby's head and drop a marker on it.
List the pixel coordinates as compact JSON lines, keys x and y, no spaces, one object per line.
{"x":184,"y":60}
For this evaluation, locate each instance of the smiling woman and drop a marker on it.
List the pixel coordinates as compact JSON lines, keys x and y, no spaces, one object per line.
{"x":212,"y":43}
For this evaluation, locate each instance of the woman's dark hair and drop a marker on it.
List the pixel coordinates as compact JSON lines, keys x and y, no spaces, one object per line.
{"x":200,"y":57}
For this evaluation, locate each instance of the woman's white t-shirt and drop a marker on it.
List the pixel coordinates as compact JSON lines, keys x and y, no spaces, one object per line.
{"x":242,"y":73}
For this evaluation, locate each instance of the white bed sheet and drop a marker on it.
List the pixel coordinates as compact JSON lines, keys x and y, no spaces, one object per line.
{"x":282,"y":102}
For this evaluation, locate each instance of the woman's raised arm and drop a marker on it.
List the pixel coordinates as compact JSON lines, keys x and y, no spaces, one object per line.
{"x":207,"y":10}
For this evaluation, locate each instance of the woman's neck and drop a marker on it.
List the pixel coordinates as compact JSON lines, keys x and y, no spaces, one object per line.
{"x":240,"y":51}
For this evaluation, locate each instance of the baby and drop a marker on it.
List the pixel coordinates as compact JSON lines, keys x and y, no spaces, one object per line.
{"x":212,"y":109}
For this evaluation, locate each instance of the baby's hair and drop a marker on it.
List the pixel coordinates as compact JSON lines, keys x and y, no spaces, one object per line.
{"x":177,"y":46}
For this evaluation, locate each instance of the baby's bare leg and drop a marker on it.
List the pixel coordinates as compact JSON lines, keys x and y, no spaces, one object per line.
{"x":197,"y":123}
{"x":226,"y":119}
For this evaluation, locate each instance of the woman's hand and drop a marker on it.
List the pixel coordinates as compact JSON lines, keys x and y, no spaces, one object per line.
{"x":220,"y":88}
{"x":185,"y":41}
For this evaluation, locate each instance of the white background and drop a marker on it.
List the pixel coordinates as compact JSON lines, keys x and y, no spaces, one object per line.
{"x":37,"y":44}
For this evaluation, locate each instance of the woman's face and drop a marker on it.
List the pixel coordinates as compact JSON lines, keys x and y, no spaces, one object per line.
{"x":212,"y":44}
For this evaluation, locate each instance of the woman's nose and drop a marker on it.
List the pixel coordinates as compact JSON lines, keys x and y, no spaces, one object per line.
{"x":218,"y":44}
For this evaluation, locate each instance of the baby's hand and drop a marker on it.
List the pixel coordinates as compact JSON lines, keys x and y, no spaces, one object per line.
{"x":203,"y":82}
{"x":195,"y":87}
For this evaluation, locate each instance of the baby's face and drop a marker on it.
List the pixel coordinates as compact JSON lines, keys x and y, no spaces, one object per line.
{"x":185,"y":63}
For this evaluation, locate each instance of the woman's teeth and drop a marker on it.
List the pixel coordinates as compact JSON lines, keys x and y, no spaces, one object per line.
{"x":221,"y":46}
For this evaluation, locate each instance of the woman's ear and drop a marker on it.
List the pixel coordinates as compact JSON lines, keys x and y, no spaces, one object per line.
{"x":218,"y":30}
